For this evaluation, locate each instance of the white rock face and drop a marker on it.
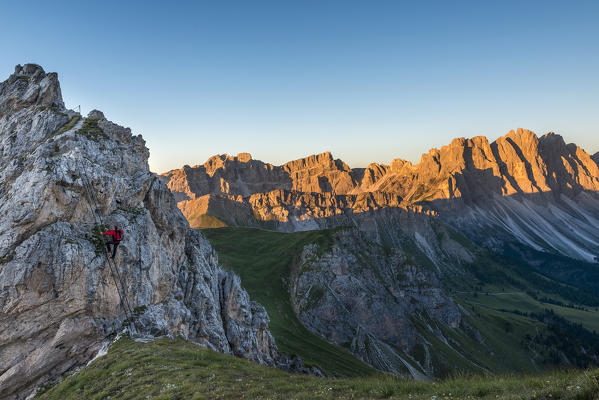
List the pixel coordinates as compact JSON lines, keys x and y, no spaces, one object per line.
{"x":58,"y":299}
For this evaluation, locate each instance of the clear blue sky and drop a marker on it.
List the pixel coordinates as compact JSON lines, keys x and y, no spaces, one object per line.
{"x":369,"y":81}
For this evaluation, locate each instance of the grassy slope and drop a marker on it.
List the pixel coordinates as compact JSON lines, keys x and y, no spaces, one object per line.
{"x":167,"y":369}
{"x":491,"y":314}
{"x":521,"y":301}
{"x":503,"y":284}
{"x":175,"y":370}
{"x":205,"y":221}
{"x":499,"y":353}
{"x":263,"y":260}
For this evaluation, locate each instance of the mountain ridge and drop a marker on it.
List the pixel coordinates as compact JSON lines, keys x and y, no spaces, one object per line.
{"x":394,"y":283}
{"x":517,"y":156}
{"x":413,"y":244}
{"x":454,"y":182}
{"x":63,"y":179}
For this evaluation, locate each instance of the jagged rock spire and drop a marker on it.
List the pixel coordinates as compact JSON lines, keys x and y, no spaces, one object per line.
{"x":30,"y":85}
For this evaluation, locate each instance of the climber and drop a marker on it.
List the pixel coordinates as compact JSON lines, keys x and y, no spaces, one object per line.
{"x":117,"y":236}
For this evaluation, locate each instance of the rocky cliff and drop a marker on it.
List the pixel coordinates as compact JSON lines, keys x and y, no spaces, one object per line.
{"x":369,"y":299}
{"x":522,"y":186}
{"x":519,"y":162}
{"x":61,"y":177}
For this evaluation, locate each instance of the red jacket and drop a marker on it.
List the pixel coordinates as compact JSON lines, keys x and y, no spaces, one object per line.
{"x":116,"y":235}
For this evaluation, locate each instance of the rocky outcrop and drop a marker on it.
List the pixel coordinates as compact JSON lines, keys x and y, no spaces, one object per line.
{"x":226,"y":175}
{"x":62,"y":176}
{"x":471,"y":183}
{"x":365,"y":297}
{"x":241,"y":176}
{"x":29,"y":86}
{"x":475,"y":170}
{"x":595,"y":158}
{"x":320,"y":174}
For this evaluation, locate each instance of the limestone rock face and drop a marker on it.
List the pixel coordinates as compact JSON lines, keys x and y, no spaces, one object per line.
{"x":472,"y":183}
{"x":517,"y":163}
{"x":320,"y":174}
{"x":242,"y":176}
{"x":595,"y":157}
{"x":30,"y":85}
{"x":59,"y":298}
{"x":358,"y":293}
{"x":228,"y":175}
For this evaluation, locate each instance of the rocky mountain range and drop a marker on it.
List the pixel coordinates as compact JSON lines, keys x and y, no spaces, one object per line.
{"x":393,"y":276}
{"x":62,"y":178}
{"x":417,"y":241}
{"x":520,"y":184}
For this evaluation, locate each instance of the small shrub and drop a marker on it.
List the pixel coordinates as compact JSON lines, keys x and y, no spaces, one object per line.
{"x":53,"y":109}
{"x":131,"y":212}
{"x":91,"y":130}
{"x":137,"y":311}
{"x":68,"y":126}
{"x":7,"y":259}
{"x":97,"y":239}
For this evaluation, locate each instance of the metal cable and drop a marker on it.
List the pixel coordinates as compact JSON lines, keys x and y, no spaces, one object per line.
{"x":110,"y":261}
{"x":96,"y":202}
{"x":113,"y":269}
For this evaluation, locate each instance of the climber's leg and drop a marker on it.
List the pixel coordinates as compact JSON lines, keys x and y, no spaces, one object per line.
{"x":115,"y":245}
